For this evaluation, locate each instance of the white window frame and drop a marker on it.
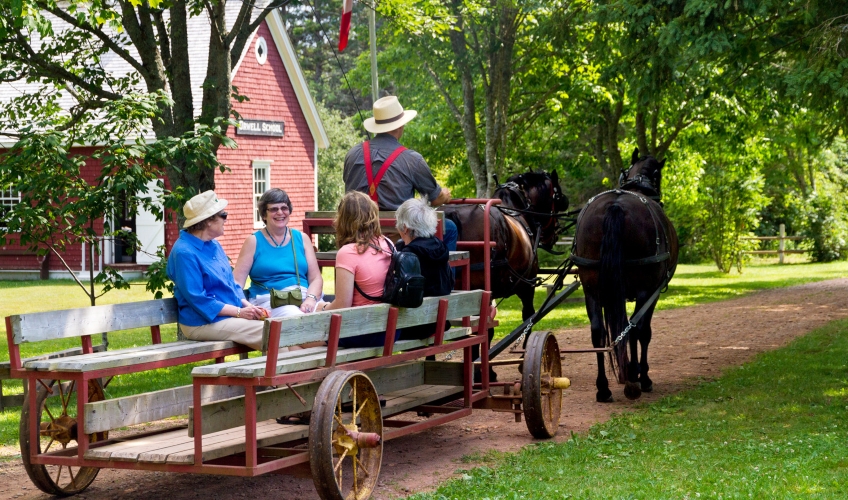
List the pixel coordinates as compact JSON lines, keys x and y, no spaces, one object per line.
{"x":261,"y":50}
{"x":9,"y":197}
{"x":260,"y":185}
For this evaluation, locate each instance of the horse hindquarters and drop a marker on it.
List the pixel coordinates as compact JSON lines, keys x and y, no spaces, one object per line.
{"x":611,"y":281}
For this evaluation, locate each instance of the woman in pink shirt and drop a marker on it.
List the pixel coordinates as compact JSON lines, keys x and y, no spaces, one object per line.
{"x":363,"y":258}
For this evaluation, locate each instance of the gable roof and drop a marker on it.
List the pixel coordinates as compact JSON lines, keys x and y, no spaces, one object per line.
{"x":198,"y":34}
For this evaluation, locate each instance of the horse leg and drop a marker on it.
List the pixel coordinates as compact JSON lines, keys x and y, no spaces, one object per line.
{"x":632,"y":390}
{"x":643,"y":382}
{"x":596,"y":319}
{"x":525,"y":293}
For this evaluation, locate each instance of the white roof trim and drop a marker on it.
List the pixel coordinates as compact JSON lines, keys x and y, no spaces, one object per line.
{"x":284,"y":47}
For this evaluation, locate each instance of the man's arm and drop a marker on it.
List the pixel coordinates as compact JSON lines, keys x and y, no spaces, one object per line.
{"x":443,"y":198}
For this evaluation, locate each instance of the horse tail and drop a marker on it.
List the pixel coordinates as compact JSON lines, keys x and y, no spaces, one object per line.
{"x":611,"y":281}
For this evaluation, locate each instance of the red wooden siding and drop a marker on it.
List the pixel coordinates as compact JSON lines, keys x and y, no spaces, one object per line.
{"x":272,"y":97}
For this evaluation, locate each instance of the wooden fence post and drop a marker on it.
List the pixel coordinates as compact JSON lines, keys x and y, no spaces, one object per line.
{"x":781,"y":244}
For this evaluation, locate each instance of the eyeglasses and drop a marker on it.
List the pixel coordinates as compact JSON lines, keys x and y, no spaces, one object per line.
{"x":282,"y":209}
{"x":223,"y":215}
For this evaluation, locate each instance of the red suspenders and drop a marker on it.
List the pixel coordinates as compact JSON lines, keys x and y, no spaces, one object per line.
{"x":374,"y":181}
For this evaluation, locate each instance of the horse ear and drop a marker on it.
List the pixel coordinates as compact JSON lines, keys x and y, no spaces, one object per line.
{"x":662,"y":164}
{"x":635,"y":157}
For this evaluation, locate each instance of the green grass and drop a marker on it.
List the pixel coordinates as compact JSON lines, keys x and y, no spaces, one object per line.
{"x":773,"y":428}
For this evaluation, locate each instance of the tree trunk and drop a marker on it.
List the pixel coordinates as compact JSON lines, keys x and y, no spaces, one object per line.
{"x":468,"y":118}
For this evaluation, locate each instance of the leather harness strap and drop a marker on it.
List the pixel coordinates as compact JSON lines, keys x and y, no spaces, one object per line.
{"x":373,"y":181}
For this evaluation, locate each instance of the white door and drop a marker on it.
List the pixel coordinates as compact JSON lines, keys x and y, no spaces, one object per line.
{"x":150,"y":232}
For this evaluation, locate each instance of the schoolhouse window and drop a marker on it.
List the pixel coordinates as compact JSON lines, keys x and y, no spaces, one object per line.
{"x":261,"y":50}
{"x":9,"y":197}
{"x":261,"y":183}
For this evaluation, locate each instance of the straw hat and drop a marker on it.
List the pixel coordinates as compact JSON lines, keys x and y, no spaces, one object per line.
{"x":201,"y":207}
{"x":388,"y":115}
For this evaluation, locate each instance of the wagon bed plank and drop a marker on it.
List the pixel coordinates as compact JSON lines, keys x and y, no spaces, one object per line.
{"x":403,"y":400}
{"x":175,"y":447}
{"x":123,"y":450}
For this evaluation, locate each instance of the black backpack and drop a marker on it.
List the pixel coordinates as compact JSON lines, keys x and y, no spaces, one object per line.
{"x":404,"y":285}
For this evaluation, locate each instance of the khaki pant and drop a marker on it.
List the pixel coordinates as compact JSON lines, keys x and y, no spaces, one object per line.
{"x":243,"y":331}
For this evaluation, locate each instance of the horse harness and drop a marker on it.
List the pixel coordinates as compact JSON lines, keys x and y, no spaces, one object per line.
{"x":653,"y":259}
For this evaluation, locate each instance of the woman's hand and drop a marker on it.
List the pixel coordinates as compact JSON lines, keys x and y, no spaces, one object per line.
{"x":308,"y":305}
{"x":254,"y":312}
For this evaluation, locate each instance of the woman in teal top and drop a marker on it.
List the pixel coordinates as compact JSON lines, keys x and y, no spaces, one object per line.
{"x":271,"y":255}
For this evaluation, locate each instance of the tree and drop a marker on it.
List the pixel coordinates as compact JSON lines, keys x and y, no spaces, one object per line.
{"x":61,"y":206}
{"x":474,"y":53}
{"x":68,"y":47}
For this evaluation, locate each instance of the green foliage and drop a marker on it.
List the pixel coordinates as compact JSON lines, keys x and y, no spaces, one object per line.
{"x":343,"y":136}
{"x":730,"y":201}
{"x":63,"y":203}
{"x":773,"y":428}
{"x":826,"y":227}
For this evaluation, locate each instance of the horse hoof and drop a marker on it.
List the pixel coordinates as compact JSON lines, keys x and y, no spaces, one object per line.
{"x":604,"y":399}
{"x":649,"y":387}
{"x":632,"y":390}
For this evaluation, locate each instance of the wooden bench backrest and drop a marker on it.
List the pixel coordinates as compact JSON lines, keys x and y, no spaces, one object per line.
{"x":387,"y":221}
{"x":369,"y":319}
{"x":70,"y":323}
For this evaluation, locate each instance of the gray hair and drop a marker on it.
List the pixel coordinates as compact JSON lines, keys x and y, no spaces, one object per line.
{"x":416,"y":215}
{"x":272,"y":197}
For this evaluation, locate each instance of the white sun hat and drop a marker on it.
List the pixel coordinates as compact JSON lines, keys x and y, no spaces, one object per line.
{"x":388,"y":115}
{"x":201,"y":207}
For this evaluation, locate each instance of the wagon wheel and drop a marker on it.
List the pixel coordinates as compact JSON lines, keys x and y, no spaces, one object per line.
{"x":345,"y":437}
{"x":58,"y":428}
{"x":542,"y":384}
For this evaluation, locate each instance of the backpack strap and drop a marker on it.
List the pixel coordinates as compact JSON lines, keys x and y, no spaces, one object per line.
{"x":374,"y":181}
{"x":375,"y":247}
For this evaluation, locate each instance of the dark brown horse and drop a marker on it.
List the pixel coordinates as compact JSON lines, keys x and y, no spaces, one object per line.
{"x":625,"y":249}
{"x":529,"y":211}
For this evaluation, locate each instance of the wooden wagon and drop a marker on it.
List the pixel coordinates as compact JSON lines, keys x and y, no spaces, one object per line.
{"x":247,"y":416}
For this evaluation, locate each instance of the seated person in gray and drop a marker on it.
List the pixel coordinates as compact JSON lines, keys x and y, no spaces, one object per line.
{"x":416,"y":223}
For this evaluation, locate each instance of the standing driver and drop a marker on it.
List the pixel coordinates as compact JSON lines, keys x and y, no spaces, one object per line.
{"x":390,"y":173}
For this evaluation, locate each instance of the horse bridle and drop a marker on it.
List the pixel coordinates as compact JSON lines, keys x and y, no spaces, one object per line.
{"x":641,"y":181}
{"x":553,"y":216}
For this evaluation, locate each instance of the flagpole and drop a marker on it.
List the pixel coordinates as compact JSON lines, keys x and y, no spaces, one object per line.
{"x":372,"y":31}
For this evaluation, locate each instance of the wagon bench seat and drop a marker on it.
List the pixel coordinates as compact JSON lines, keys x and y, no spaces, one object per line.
{"x":128,"y":357}
{"x":305,"y":359}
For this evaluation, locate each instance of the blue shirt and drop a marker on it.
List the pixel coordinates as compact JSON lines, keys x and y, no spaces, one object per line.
{"x":273,"y":266}
{"x":203,"y":280}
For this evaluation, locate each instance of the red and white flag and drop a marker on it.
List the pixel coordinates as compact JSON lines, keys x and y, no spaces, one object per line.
{"x":345,"y":29}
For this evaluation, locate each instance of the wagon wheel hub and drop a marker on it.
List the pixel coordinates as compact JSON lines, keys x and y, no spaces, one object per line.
{"x":554,"y":383}
{"x":343,"y":439}
{"x":62,"y":430}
